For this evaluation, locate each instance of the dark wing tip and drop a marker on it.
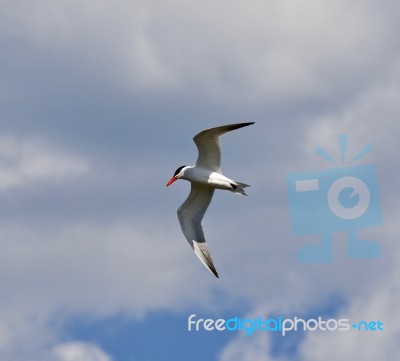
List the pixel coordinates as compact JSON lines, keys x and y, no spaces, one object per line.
{"x":223,"y":128}
{"x":244,"y":124}
{"x":239,"y":125}
{"x":201,"y":251}
{"x":214,"y":271}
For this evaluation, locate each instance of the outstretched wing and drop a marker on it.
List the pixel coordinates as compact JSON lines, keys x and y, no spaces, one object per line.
{"x":207,"y":143}
{"x":190,"y":214}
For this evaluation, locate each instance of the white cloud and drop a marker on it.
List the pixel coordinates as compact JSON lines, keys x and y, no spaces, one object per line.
{"x":253,"y":348}
{"x":378,"y":303}
{"x":125,"y":266}
{"x":48,"y":273}
{"x":266,"y":50}
{"x":79,"y":351}
{"x":370,"y":289}
{"x":367,"y":345}
{"x":272,"y":50}
{"x":373,"y":118}
{"x":24,"y":161}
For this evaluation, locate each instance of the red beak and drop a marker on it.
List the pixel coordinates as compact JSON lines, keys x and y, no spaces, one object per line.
{"x":172,"y":180}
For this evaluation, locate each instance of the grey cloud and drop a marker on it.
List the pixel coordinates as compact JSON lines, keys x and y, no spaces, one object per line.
{"x":123,"y":88}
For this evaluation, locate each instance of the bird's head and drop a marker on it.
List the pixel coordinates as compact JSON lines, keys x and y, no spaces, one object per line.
{"x":179,"y":173}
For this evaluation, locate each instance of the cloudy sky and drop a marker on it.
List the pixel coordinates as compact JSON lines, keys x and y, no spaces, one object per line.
{"x":99,"y":102}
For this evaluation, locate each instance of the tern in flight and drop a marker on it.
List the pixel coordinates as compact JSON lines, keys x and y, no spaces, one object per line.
{"x":205,"y":176}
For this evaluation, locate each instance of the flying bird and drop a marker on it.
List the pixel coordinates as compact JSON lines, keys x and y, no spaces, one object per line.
{"x":205,"y":176}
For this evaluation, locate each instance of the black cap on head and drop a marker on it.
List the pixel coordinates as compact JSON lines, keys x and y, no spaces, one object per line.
{"x":179,"y":169}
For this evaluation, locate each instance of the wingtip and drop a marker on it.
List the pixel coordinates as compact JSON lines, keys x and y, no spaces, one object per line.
{"x":201,"y":251}
{"x":246,"y":124}
{"x":212,"y":270}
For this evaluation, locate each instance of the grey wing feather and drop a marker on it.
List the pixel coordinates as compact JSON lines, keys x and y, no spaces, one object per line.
{"x":190,"y":215}
{"x":208,"y":145}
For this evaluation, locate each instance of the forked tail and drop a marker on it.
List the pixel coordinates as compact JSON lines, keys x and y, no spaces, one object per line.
{"x":238,"y":187}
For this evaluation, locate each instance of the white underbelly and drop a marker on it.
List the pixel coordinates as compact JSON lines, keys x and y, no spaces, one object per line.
{"x":218,"y":180}
{"x":207,"y":177}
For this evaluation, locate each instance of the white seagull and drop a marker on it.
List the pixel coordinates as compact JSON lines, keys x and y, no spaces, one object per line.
{"x":205,"y":176}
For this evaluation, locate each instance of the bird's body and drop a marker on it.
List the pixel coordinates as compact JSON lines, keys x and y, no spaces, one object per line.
{"x":211,"y":179}
{"x":205,"y":176}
